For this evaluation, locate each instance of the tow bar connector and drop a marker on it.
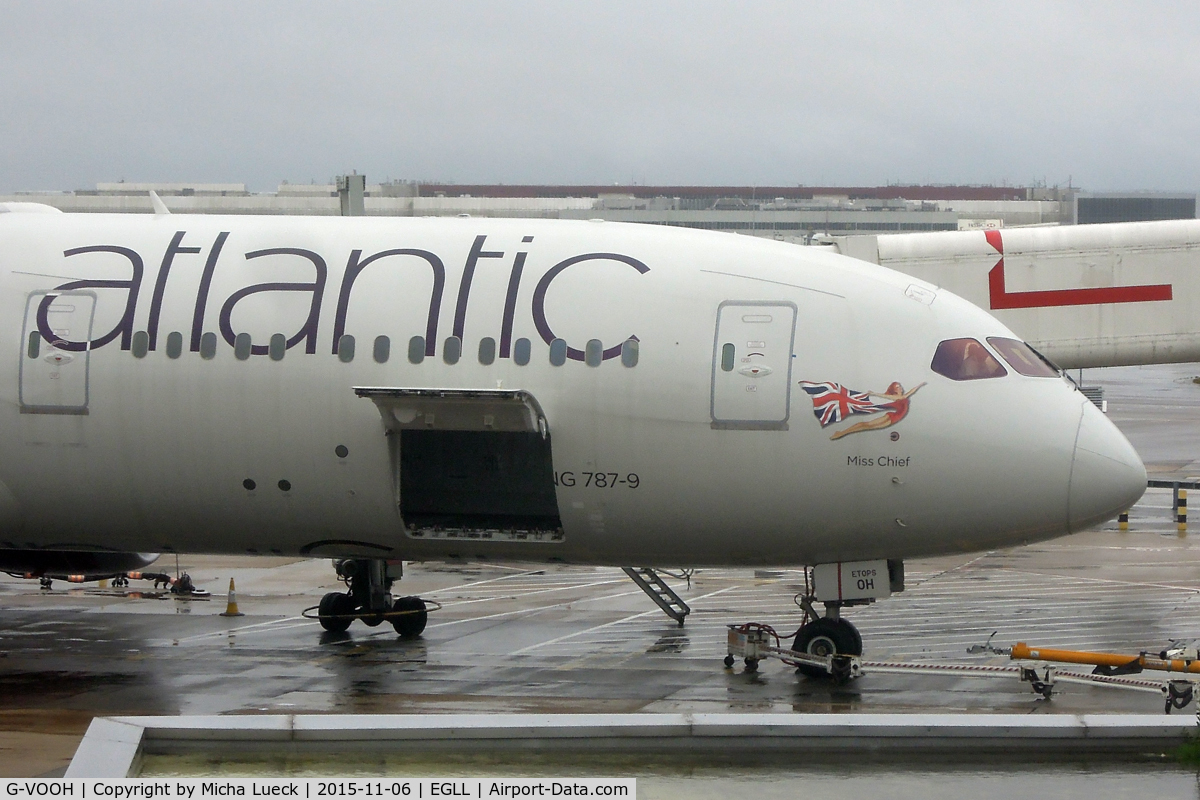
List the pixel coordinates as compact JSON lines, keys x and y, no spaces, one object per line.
{"x":754,"y":642}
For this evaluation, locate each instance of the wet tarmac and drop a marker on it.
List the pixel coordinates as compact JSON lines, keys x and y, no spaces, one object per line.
{"x":576,"y":639}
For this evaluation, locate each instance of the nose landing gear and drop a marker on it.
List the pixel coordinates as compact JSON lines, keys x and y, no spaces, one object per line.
{"x":369,"y":599}
{"x":837,"y":585}
{"x":830,"y":635}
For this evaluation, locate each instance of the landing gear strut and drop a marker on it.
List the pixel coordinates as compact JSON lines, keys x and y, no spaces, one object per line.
{"x":829,"y":635}
{"x":369,"y":599}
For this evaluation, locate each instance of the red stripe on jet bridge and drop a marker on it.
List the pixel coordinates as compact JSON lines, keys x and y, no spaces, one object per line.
{"x":994,"y":239}
{"x":1000,"y":298}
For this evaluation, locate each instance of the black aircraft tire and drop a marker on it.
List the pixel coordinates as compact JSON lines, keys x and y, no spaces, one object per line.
{"x":334,"y":612}
{"x":825,"y":637}
{"x":410,"y":625}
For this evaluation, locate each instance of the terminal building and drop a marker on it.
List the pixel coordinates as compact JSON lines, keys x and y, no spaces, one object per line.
{"x":786,"y":213}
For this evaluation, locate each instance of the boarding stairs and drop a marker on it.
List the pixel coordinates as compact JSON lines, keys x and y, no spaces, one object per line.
{"x":650,"y":582}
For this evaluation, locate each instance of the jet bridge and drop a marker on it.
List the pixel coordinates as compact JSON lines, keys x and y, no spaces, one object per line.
{"x":1084,"y":295}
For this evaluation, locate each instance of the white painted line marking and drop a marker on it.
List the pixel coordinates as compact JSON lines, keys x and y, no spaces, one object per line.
{"x":534,"y":611}
{"x":227,"y":631}
{"x":609,"y":624}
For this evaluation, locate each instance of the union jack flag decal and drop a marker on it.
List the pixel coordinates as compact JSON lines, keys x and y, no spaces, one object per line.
{"x":833,"y":402}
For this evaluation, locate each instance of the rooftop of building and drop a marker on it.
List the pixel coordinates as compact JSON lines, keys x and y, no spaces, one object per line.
{"x":893,"y":192}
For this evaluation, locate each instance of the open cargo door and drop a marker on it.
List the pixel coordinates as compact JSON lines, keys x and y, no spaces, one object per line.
{"x":470,"y":464}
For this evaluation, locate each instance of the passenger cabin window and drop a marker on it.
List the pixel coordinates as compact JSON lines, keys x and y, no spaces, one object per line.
{"x":141,"y":344}
{"x":965,"y":360}
{"x":277,"y":347}
{"x":558,"y":352}
{"x":629,"y":352}
{"x":453,"y":350}
{"x":416,"y":349}
{"x":174,"y":344}
{"x":487,"y":350}
{"x":1023,"y":358}
{"x":521,"y":351}
{"x":242,"y":345}
{"x":593,"y":353}
{"x":208,"y":346}
{"x":382,"y":349}
{"x":346,"y":348}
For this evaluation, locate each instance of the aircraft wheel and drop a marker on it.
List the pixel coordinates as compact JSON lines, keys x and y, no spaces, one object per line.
{"x":410,"y":625}
{"x":826,"y":637}
{"x":334,"y":612}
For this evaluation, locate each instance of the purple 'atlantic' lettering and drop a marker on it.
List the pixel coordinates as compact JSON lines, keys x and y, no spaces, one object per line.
{"x":124,"y":327}
{"x":160,"y":283}
{"x":539,"y":297}
{"x":357,"y":264}
{"x":308,"y":331}
{"x":464,"y":286}
{"x":210,"y":266}
{"x":510,"y":302}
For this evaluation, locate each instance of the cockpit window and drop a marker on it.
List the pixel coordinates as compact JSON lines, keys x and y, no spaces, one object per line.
{"x":965,"y":360}
{"x":1021,"y":357}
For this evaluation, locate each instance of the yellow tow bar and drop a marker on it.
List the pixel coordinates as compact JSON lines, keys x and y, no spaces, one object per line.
{"x":1120,"y":663}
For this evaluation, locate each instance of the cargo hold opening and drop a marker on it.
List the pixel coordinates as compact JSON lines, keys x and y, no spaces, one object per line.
{"x":470,"y":464}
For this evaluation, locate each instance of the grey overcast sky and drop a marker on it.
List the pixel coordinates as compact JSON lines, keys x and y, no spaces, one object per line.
{"x":848,"y":93}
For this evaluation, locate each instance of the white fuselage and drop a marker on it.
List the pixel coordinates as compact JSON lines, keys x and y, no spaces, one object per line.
{"x":104,"y":447}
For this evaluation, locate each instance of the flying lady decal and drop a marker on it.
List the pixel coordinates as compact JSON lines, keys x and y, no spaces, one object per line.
{"x":833,"y":403}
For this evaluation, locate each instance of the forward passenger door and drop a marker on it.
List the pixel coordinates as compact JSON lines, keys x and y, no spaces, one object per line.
{"x":752,"y":365}
{"x":54,"y":380}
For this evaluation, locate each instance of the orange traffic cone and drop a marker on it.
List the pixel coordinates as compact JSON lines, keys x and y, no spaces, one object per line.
{"x":231,"y":609}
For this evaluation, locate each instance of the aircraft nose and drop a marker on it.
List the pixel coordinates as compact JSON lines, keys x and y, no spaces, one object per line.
{"x":1107,"y":475}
